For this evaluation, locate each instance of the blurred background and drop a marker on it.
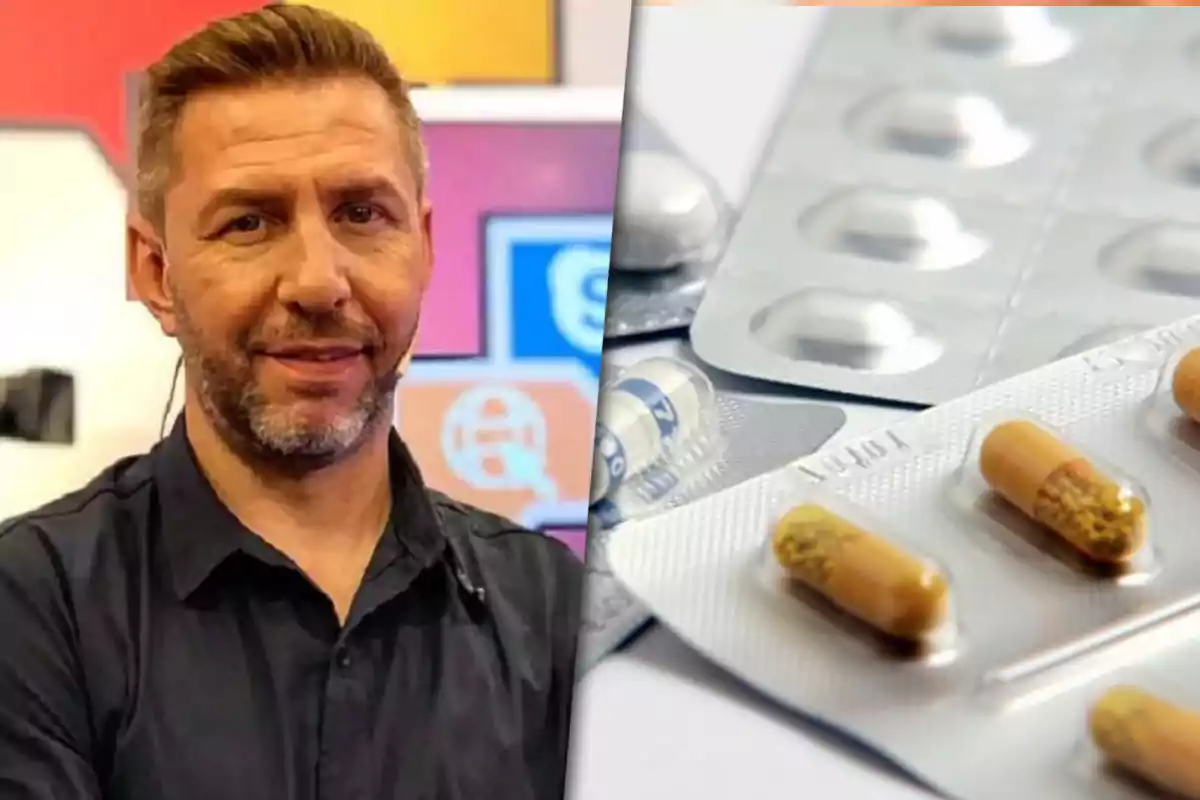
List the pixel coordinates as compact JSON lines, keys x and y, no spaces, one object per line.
{"x":521,"y":102}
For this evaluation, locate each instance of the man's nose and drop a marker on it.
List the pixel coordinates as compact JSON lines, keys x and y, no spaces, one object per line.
{"x":316,"y":280}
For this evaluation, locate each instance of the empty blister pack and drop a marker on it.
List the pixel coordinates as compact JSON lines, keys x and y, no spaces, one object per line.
{"x":730,"y":433}
{"x":959,"y":589}
{"x":670,"y":226}
{"x":957,"y":195}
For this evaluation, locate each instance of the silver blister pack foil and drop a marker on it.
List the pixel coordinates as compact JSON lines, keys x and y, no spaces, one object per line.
{"x":670,"y":227}
{"x":954,"y":195}
{"x":1001,"y":694}
{"x":756,"y":434}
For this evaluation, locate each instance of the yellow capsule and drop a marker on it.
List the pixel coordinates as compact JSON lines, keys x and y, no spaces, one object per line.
{"x":1185,"y":384}
{"x":864,"y":575}
{"x":1155,"y":740}
{"x":1057,"y":487}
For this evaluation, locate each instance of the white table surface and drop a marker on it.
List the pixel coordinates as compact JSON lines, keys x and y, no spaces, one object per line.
{"x":656,"y":720}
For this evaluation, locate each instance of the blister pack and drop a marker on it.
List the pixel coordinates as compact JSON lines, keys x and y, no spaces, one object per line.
{"x":670,"y":225}
{"x":670,"y":430}
{"x":955,"y":195}
{"x":667,"y":433}
{"x":657,"y":429}
{"x":969,"y":590}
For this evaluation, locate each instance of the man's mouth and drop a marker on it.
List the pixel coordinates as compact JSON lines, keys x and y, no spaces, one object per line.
{"x":320,"y":362}
{"x":316,"y":352}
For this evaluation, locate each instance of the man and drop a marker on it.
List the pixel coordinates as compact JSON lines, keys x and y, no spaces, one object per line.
{"x":270,"y":604}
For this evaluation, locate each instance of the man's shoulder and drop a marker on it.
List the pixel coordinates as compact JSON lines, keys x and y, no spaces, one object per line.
{"x":537,"y":579}
{"x":473,"y":520}
{"x":502,"y":544}
{"x":74,"y":523}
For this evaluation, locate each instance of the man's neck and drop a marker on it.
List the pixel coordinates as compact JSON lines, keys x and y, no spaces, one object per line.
{"x":338,"y":509}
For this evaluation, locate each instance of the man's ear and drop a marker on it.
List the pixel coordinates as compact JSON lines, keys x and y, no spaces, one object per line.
{"x":406,"y":359}
{"x":146,"y":269}
{"x":427,"y":240}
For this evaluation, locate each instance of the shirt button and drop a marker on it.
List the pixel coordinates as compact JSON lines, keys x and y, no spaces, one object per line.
{"x":342,"y":657}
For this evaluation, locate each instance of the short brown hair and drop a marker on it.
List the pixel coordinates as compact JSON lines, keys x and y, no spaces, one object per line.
{"x":279,"y":42}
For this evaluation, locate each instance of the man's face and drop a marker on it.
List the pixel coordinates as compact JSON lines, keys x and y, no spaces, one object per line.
{"x":297,"y":249}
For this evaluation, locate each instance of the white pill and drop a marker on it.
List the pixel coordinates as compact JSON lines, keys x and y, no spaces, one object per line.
{"x":648,"y":409}
{"x":666,"y":214}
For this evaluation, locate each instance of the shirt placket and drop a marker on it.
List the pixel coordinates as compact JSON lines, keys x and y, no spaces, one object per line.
{"x":345,"y":726}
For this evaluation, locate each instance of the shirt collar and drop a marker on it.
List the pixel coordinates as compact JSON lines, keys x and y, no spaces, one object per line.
{"x":198,"y":532}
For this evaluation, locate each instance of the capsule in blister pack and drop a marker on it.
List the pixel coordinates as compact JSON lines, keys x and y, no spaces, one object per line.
{"x":1057,"y":527}
{"x":657,"y":428}
{"x":669,"y":228}
{"x":1185,"y":383}
{"x":1040,"y":489}
{"x":1147,"y":737}
{"x":754,"y":435}
{"x":1172,"y":412}
{"x":1131,"y":729}
{"x":840,"y":563}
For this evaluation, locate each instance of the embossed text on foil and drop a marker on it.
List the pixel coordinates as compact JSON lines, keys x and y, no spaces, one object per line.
{"x":861,"y":455}
{"x":1146,"y":348}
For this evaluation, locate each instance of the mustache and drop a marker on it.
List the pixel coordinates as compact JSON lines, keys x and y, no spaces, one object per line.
{"x":337,"y":327}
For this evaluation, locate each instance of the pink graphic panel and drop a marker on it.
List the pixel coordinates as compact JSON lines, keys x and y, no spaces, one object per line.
{"x":575,"y":538}
{"x":501,"y":168}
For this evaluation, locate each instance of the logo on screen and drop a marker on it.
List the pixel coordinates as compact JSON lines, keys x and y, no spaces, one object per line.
{"x":495,"y":440}
{"x":577,"y":280}
{"x":514,"y":438}
{"x":548,"y":285}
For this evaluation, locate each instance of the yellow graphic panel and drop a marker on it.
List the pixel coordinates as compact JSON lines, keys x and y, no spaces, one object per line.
{"x":462,"y":41}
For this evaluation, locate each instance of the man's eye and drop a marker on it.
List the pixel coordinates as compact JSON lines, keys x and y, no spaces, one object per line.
{"x":361,"y":213}
{"x":247,"y":223}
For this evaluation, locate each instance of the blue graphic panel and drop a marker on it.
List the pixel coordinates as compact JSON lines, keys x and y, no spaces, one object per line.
{"x":547,"y":288}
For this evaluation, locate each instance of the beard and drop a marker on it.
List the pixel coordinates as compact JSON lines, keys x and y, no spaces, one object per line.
{"x":280,"y":434}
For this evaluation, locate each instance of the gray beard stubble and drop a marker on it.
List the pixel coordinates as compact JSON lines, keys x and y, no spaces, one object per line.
{"x":230,"y":398}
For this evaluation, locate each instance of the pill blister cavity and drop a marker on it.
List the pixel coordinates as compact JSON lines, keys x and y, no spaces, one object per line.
{"x":667,"y":214}
{"x":1098,"y":338}
{"x":1159,"y":258}
{"x":1149,"y":738}
{"x":1175,"y":154}
{"x":895,"y":227}
{"x":1017,"y":35}
{"x":968,"y":129}
{"x":847,"y":330}
{"x":1093,"y":511}
{"x":896,"y":594}
{"x":657,"y":423}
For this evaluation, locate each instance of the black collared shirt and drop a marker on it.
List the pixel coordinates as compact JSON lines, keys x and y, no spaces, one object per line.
{"x":152,"y":648}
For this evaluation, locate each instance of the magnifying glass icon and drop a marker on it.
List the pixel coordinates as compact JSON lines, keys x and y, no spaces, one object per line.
{"x":524,"y":467}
